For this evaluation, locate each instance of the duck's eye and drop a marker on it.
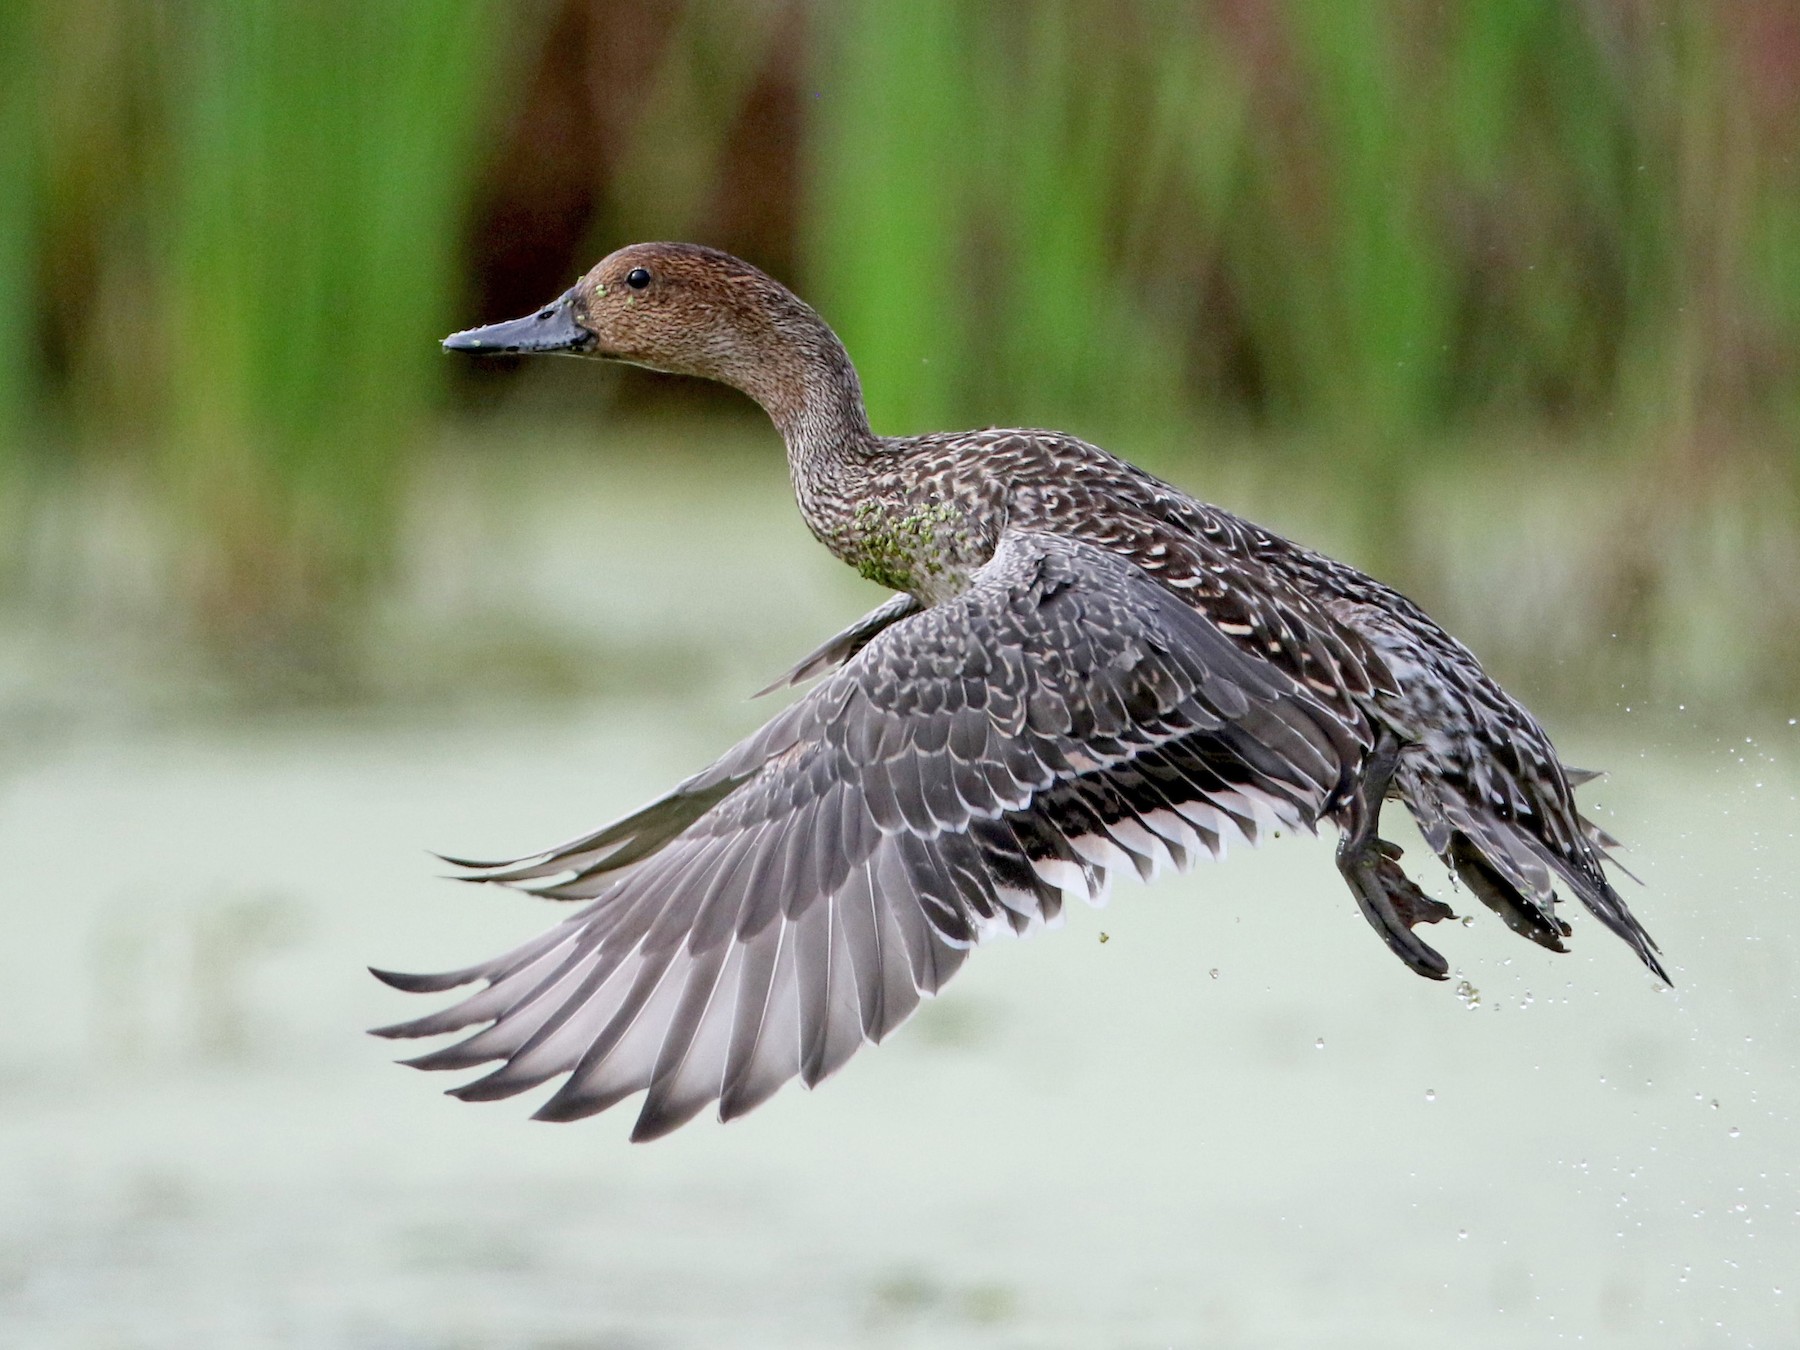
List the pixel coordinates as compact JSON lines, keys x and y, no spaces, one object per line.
{"x":637,"y":278}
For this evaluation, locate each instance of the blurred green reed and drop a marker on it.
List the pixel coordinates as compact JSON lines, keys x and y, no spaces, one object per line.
{"x":888,"y":241}
{"x":20,"y":221}
{"x":1386,"y":222}
{"x":1403,"y":217}
{"x":1375,"y":228}
{"x":665,"y":177}
{"x":250,"y":216}
{"x":318,"y":158}
{"x":19,"y":216}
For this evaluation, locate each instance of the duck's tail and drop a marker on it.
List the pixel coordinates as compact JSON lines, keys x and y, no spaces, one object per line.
{"x":1512,"y":854}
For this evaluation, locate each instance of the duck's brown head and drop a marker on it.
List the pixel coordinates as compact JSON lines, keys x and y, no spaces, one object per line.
{"x":685,"y":309}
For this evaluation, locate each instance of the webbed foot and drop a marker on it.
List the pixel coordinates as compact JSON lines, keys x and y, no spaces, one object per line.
{"x":1393,"y":904}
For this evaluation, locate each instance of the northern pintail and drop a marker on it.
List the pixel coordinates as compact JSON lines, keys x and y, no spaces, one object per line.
{"x":1085,"y":670}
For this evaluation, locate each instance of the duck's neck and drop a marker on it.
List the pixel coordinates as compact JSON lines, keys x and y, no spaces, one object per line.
{"x":820,"y":415}
{"x":806,"y":384}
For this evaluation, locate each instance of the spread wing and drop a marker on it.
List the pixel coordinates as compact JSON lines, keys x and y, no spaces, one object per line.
{"x":966,"y":768}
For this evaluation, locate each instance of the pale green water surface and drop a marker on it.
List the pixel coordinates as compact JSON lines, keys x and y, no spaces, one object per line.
{"x":1237,"y":1122}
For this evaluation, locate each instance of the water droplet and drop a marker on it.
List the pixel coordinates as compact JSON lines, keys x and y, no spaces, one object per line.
{"x":1469,"y":994}
{"x":1468,"y":921}
{"x":1431,"y":1094}
{"x":1319,"y":1044}
{"x":1462,"y":1235}
{"x":1214,"y":972}
{"x":1733,"y":1132}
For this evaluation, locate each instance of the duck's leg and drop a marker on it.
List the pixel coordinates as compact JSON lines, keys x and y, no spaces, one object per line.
{"x":1387,"y":896}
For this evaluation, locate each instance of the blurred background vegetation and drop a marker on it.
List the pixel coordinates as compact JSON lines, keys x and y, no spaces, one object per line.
{"x":1501,"y":298}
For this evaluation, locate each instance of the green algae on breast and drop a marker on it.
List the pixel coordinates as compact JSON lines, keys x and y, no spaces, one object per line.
{"x":905,"y":552}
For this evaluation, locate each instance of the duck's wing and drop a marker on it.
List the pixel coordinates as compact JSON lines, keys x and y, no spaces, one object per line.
{"x":838,"y":649}
{"x":960,"y":774}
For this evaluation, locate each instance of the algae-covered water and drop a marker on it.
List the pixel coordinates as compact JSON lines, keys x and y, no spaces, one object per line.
{"x":1217,"y":1113}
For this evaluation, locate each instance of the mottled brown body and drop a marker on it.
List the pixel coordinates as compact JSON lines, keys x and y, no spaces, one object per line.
{"x":1369,"y":651}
